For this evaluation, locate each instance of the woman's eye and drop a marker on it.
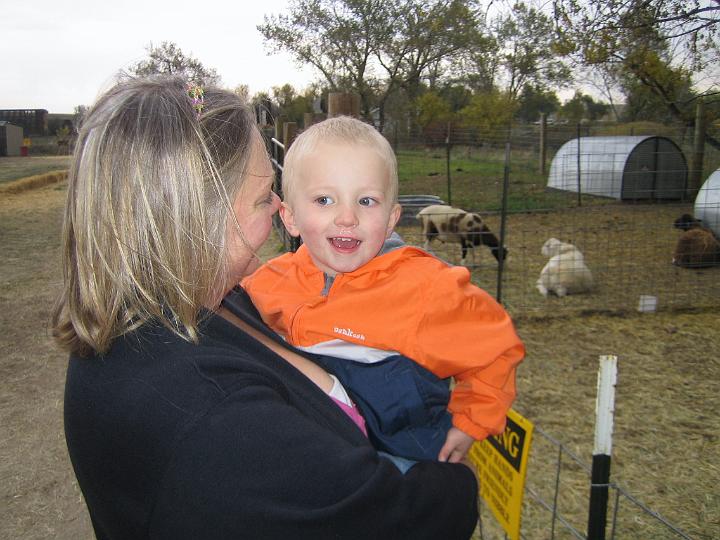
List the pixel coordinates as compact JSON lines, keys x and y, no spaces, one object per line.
{"x":267,"y":200}
{"x":324,"y":200}
{"x":367,"y":201}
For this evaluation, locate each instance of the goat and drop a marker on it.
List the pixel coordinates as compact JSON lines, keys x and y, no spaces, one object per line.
{"x":565,"y":272}
{"x":448,"y":224}
{"x":697,"y":246}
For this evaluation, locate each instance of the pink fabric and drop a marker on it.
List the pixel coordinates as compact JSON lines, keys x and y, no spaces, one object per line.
{"x":353,"y":413}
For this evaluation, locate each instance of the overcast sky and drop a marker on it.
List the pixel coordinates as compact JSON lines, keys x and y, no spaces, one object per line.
{"x":57,"y":55}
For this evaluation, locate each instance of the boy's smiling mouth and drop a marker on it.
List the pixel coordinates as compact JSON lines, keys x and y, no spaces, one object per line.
{"x":344,"y":243}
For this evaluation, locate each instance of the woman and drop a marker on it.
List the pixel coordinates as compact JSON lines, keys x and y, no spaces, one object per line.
{"x":185,"y":417}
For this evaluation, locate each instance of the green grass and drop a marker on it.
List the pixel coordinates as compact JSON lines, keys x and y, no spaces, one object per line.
{"x":477,"y":177}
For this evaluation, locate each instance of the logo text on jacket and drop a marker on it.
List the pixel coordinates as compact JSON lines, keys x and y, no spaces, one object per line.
{"x":348,"y":332}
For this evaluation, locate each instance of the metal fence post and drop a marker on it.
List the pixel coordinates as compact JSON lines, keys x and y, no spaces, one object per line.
{"x":543,"y":142}
{"x":289,"y":134}
{"x":447,"y":164}
{"x":600,"y":475}
{"x":579,"y":181}
{"x":698,"y":155}
{"x":503,"y":220}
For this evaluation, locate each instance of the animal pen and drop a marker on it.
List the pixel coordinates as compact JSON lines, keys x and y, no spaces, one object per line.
{"x":627,"y":244}
{"x":621,"y":196}
{"x":625,"y":232}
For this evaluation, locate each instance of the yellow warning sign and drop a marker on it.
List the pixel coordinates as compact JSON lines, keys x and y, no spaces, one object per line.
{"x":501,"y":462}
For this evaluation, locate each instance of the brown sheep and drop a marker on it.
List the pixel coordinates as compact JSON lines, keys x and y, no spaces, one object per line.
{"x":697,"y":246}
{"x":449,"y":224}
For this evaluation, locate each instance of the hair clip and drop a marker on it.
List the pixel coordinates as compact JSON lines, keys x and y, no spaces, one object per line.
{"x":196,"y":94}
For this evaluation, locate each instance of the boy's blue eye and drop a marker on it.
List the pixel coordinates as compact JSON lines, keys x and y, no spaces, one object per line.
{"x":324,"y":200}
{"x":367,"y":201}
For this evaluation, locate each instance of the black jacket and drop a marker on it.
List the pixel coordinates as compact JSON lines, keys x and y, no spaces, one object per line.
{"x":225,"y":439}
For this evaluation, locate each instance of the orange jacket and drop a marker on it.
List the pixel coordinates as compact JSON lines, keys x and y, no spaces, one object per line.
{"x":406,"y":301}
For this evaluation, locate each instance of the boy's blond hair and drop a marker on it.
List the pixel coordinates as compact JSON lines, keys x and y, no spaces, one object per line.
{"x":337,"y":130}
{"x":148,"y":205}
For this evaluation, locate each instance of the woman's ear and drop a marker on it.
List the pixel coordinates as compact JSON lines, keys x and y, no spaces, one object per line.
{"x":395,"y":214}
{"x":288,"y":219}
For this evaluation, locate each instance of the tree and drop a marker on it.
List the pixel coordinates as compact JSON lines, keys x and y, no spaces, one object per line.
{"x":373,"y":47}
{"x":432,"y":109}
{"x":477,"y":66}
{"x":599,"y":29}
{"x":242,"y":90}
{"x":79,"y":115}
{"x":534,"y":101}
{"x":428,"y":35}
{"x":490,"y":112}
{"x":583,"y":107}
{"x":573,"y":110}
{"x":526,"y":44}
{"x":292,"y":105}
{"x":427,"y":38}
{"x":594,"y":110}
{"x":604,"y":80}
{"x":168,"y":58}
{"x":457,"y":96}
{"x":660,"y":45}
{"x":658,"y":92}
{"x":338,"y":38}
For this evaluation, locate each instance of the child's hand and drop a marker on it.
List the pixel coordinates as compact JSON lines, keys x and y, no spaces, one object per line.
{"x":456,"y":446}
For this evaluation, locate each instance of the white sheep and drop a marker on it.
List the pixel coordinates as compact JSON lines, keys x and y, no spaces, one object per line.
{"x":697,"y":246}
{"x":565,"y":272}
{"x":448,"y":224}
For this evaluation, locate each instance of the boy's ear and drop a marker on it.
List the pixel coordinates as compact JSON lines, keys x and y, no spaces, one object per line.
{"x":395,"y":214}
{"x":288,"y":219}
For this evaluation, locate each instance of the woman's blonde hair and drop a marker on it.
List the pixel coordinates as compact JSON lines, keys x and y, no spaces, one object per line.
{"x":339,"y":130}
{"x":148,"y":205}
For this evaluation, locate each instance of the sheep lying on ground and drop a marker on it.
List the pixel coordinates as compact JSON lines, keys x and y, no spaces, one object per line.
{"x":697,"y":246}
{"x":565,"y":272}
{"x":449,"y":224}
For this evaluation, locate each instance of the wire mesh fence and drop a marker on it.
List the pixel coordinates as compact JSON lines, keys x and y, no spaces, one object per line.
{"x":627,"y":243}
{"x":557,"y":496}
{"x":629,"y":251}
{"x":618,"y":191}
{"x":617,"y":204}
{"x":465,"y":167}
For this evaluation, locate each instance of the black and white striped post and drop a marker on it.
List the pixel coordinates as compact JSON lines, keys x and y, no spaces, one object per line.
{"x":602,"y":450}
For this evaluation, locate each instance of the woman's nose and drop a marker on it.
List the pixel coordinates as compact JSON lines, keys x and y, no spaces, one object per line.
{"x":346,"y":216}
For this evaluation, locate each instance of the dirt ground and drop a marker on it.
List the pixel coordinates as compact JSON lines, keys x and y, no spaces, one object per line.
{"x":666,"y":449}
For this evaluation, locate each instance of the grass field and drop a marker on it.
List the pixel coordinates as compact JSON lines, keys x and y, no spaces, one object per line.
{"x":666,"y":447}
{"x":477,"y":174}
{"x":15,"y":168}
{"x":476,"y":180}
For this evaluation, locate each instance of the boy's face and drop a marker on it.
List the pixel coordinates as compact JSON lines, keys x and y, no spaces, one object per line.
{"x":340,"y":206}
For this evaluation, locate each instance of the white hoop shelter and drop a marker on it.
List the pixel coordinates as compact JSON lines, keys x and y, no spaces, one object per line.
{"x":707,"y":203}
{"x":622,"y":167}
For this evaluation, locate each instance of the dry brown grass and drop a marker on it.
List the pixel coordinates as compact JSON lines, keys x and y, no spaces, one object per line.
{"x":33,"y":182}
{"x":667,"y":444}
{"x":666,"y":428}
{"x":14,"y":168}
{"x":628,"y":248}
{"x":40,"y":498}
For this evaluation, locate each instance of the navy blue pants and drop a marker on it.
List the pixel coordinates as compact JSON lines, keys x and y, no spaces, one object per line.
{"x":404,"y":404}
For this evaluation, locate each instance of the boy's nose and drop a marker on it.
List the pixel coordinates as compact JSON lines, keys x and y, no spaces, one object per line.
{"x":345,"y":217}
